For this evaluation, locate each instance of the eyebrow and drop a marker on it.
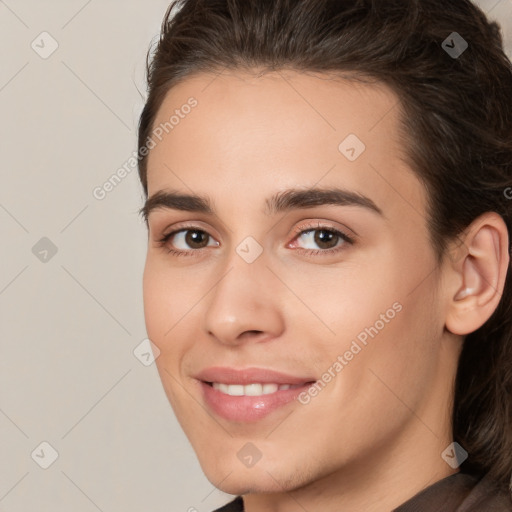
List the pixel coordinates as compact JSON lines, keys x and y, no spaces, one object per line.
{"x":284,"y":201}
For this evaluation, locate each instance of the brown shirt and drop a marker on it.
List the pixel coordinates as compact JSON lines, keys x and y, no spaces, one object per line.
{"x":460,"y":492}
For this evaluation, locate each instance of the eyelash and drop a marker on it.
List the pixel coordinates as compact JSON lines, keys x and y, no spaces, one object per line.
{"x":304,"y":229}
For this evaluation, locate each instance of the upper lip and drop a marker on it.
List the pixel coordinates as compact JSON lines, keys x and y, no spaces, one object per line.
{"x":227,"y":375}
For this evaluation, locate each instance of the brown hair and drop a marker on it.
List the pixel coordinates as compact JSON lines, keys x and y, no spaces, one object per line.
{"x":456,"y":126}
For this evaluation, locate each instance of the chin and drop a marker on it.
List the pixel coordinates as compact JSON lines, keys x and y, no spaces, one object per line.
{"x":237,"y":484}
{"x":258,"y":479}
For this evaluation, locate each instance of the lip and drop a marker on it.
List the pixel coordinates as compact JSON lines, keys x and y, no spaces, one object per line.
{"x":248,"y":408}
{"x":249,"y":375}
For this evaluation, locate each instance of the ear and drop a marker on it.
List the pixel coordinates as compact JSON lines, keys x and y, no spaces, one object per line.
{"x":477,"y":273}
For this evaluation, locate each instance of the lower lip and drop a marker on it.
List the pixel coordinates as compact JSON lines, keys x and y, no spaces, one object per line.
{"x":247,"y":408}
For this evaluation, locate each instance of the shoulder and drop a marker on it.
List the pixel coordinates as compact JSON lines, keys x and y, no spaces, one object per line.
{"x":487,"y":496}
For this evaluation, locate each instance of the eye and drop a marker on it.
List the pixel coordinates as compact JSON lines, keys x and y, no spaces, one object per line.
{"x":190,"y":240}
{"x":322,"y":239}
{"x":185,"y":239}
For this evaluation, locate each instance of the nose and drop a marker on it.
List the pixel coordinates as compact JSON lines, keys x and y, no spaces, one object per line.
{"x":244,"y":305}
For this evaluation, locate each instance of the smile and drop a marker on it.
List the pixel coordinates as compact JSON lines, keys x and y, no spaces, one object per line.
{"x":249,"y":395}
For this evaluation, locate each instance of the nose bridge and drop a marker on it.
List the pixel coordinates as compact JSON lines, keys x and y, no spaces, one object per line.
{"x":242,"y":298}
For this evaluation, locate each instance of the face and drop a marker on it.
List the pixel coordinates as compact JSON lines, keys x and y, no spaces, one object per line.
{"x":294,"y":301}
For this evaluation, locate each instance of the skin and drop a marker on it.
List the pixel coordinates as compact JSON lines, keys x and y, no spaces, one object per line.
{"x":373,"y":437}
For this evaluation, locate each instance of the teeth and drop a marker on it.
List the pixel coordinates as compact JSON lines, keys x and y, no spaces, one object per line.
{"x":270,"y":388}
{"x":250,"y":389}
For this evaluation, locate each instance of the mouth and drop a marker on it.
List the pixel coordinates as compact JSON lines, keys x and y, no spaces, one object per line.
{"x":247,"y":396}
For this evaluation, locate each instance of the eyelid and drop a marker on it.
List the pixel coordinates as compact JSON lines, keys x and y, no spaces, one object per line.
{"x":312,"y":225}
{"x":299,"y":230}
{"x":328,"y":226}
{"x":182,"y":226}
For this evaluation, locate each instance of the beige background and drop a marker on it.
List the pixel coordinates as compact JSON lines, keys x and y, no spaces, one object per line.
{"x":70,"y":323}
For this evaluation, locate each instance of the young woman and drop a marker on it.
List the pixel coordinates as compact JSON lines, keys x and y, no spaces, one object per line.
{"x":328,"y":198}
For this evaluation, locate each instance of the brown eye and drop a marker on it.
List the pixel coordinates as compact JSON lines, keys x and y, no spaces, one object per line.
{"x":196,"y":239}
{"x":322,"y":239}
{"x":186,"y":240}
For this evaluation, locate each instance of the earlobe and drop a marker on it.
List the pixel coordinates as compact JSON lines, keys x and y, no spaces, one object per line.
{"x":482,"y":270}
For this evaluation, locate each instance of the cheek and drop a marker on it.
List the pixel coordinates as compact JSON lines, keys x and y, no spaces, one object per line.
{"x":165,"y":313}
{"x":385,"y":323}
{"x":158,"y":305}
{"x":397,"y":365}
{"x":347,"y":300}
{"x":168,"y":297}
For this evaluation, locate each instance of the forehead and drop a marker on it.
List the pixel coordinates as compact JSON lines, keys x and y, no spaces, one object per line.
{"x":301,"y":105}
{"x":279,"y":129}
